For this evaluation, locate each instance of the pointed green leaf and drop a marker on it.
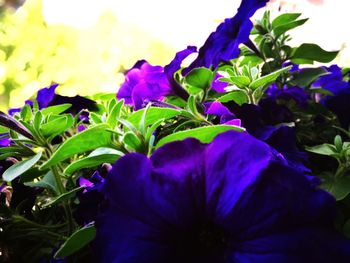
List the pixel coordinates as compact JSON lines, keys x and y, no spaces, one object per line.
{"x":200,"y":78}
{"x":57,"y":109}
{"x":87,"y":140}
{"x":95,"y":158}
{"x":324,"y":149}
{"x":19,"y":168}
{"x":153,"y":115}
{"x":307,"y":76}
{"x":338,"y":187}
{"x":48,"y":181}
{"x":313,"y":52}
{"x":240,"y":81}
{"x":268,"y":79}
{"x":237,"y":96}
{"x":281,"y":29}
{"x":63,"y":197}
{"x":131,"y":140}
{"x":284,"y":19}
{"x":204,"y":134}
{"x":76,"y":241}
{"x":57,"y":125}
{"x":114,"y":114}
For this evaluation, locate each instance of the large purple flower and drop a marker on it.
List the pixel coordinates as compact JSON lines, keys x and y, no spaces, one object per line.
{"x":145,"y":82}
{"x":223,"y":44}
{"x":233,"y":200}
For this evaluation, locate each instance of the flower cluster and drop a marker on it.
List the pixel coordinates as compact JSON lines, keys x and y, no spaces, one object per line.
{"x":243,"y":156}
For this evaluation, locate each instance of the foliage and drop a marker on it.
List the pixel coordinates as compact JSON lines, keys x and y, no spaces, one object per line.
{"x":53,"y":159}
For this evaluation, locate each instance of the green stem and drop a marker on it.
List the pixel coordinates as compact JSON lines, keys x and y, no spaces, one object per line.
{"x":66,"y":206}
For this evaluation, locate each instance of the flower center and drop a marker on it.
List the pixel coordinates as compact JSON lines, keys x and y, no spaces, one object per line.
{"x":206,"y":242}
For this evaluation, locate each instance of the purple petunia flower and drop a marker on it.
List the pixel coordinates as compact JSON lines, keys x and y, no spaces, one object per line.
{"x":47,"y":97}
{"x":146,"y":82}
{"x":233,"y":200}
{"x":218,"y":85}
{"x":289,"y":93}
{"x":218,"y":109}
{"x":340,"y":100}
{"x":223,"y":44}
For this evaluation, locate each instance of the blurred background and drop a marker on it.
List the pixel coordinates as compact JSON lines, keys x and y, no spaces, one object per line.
{"x":85,"y":45}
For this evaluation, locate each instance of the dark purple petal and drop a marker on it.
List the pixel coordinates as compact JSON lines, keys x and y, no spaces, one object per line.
{"x":297,"y":244}
{"x":45,"y":96}
{"x":79,"y":103}
{"x":289,"y":93}
{"x":90,"y":199}
{"x":284,"y":141}
{"x":174,"y":66}
{"x":339,"y":104}
{"x":340,"y":100}
{"x":223,"y":44}
{"x":10,"y":122}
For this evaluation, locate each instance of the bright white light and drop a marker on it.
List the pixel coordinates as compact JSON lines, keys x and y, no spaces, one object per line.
{"x":189,"y":22}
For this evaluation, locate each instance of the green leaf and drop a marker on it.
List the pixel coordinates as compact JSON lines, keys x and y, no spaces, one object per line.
{"x":114,"y":114}
{"x":204,"y":134}
{"x":338,"y":143}
{"x":237,"y":96}
{"x":87,"y":140}
{"x":268,"y":79}
{"x":153,"y":115}
{"x":285,"y":19}
{"x":314,"y":53}
{"x":57,"y":125}
{"x":200,"y":78}
{"x":346,"y":228}
{"x":48,"y":181}
{"x":26,"y":112}
{"x":63,"y":197}
{"x":307,"y":76}
{"x":57,"y":109}
{"x":131,"y":140}
{"x":76,"y":241}
{"x":3,"y":129}
{"x":95,"y":158}
{"x":239,"y":81}
{"x":324,"y":149}
{"x":19,"y":168}
{"x":338,"y":187}
{"x":192,"y":105}
{"x":38,"y":118}
{"x":279,"y":30}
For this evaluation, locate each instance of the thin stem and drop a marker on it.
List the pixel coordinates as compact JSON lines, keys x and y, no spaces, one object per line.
{"x":62,"y":190}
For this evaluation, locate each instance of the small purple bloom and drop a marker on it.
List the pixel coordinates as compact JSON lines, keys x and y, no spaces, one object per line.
{"x":289,"y":93}
{"x":233,"y":200}
{"x":4,"y":141}
{"x":218,"y":109}
{"x":340,"y":100}
{"x":147,"y":82}
{"x":223,"y":44}
{"x":90,"y":199}
{"x":218,"y":85}
{"x":47,"y":97}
